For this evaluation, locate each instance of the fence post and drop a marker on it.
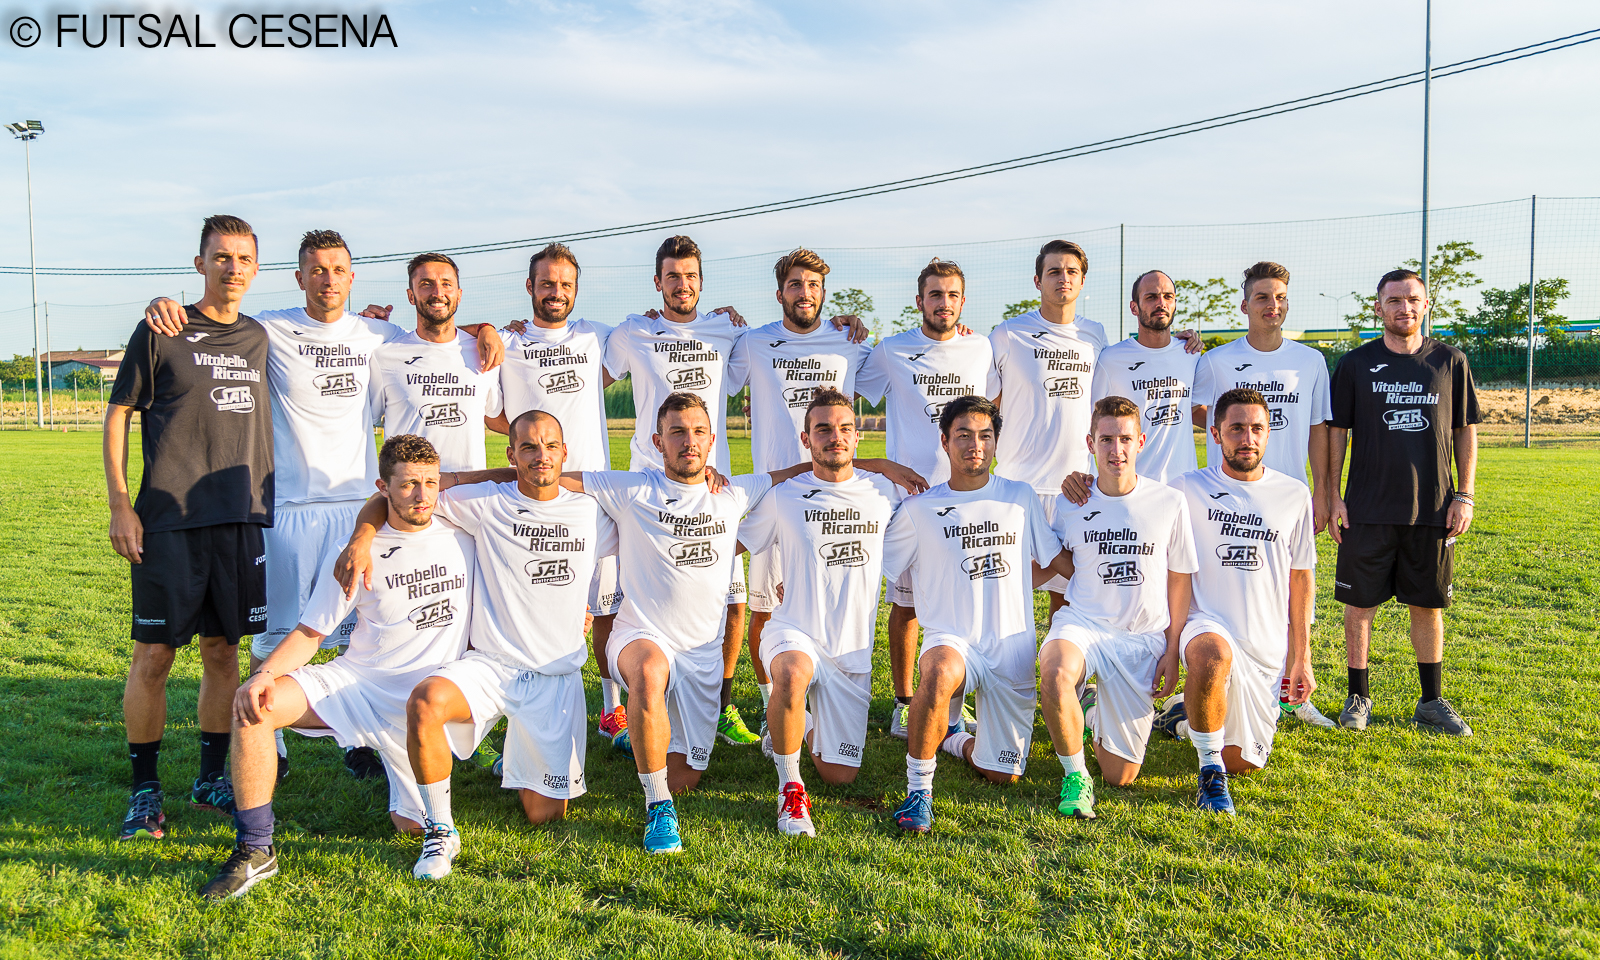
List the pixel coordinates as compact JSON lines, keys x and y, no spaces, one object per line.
{"x":1527,"y":403}
{"x":1122,"y":269}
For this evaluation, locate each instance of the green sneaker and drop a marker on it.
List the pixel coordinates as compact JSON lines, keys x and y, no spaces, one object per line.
{"x":1077,"y":796}
{"x":486,"y":756}
{"x":730,"y":727}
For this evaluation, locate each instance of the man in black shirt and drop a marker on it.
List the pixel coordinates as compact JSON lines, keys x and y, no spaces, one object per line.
{"x":1413,"y":407}
{"x":194,"y":534}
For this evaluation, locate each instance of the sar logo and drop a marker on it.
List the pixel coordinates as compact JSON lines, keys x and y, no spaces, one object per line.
{"x":443,"y":415}
{"x":1121,"y":573}
{"x":336,"y":384}
{"x":435,"y":614}
{"x":796,"y":397}
{"x":1165,"y":415}
{"x":1279,"y":421}
{"x":693,"y":553}
{"x":688,"y":378}
{"x":934,"y":411}
{"x":986,"y":566}
{"x":233,"y":399}
{"x":843,"y":553}
{"x":561,"y":381}
{"x":550,"y":572}
{"x":1239,"y":556}
{"x":1410,"y":420}
{"x":1064,"y":387}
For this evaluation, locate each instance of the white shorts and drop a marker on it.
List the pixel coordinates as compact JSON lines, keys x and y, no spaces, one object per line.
{"x":765,"y":576}
{"x":736,"y":587}
{"x":900,"y":592}
{"x":694,"y":694}
{"x":297,"y":542}
{"x":547,"y":722}
{"x":1125,"y":665}
{"x":1252,"y":693}
{"x":605,"y":592}
{"x":838,"y":700}
{"x":1003,"y":676}
{"x":1055,"y":584}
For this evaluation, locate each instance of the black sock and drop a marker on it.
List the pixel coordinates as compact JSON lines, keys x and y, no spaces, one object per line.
{"x":1432,"y":677}
{"x":1358,"y":682}
{"x":145,"y":757}
{"x":903,"y":700}
{"x":253,"y":827}
{"x":213,"y":753}
{"x":727,"y":692}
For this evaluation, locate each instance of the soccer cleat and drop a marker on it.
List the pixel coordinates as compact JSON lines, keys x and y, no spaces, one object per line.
{"x":144,"y":817}
{"x":487,"y":757}
{"x":661,"y":828}
{"x":364,"y":763}
{"x":1170,"y":716}
{"x":245,"y":868}
{"x":1089,"y":698}
{"x":214,"y":794}
{"x":1440,"y":717}
{"x":730,"y":727}
{"x":623,"y":745}
{"x":440,"y":844}
{"x":794,"y":812}
{"x":1357,"y":711}
{"x":613,"y":723}
{"x":1307,"y":713}
{"x":915,"y":813}
{"x":283,"y":768}
{"x":1213,"y":794}
{"x":1077,"y":796}
{"x":897,"y":720}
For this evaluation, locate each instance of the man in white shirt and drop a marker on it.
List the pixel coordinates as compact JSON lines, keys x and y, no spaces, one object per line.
{"x":1249,"y":622}
{"x":1132,"y":555}
{"x":972,"y":546}
{"x":919,"y":371}
{"x":829,"y":523}
{"x":411,"y":617}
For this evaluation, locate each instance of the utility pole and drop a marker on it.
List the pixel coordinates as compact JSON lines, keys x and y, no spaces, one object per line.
{"x":28,"y":131}
{"x":1427,"y":93}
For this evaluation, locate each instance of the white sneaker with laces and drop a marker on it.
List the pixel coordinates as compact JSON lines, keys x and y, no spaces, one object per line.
{"x":897,"y":720}
{"x":794,"y":812}
{"x":1308,"y":713}
{"x":439,"y":848}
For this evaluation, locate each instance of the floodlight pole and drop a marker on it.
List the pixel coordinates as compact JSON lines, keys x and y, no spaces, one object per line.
{"x":33,"y":273}
{"x":1427,"y":91}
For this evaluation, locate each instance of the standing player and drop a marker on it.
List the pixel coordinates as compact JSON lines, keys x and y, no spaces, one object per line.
{"x":411,"y":620}
{"x":1249,"y":625}
{"x":1412,"y":404}
{"x":1132,"y":553}
{"x":920,"y":371}
{"x":193,"y":535}
{"x":969,"y":545}
{"x":830,"y":524}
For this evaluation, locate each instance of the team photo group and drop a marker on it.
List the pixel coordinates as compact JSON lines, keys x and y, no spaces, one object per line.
{"x":458,"y":596}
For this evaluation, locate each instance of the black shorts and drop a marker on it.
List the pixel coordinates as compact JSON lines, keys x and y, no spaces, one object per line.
{"x":1413,"y":564}
{"x":210,"y":581}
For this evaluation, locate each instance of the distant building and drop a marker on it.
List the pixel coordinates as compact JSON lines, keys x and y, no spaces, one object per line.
{"x":61,"y":364}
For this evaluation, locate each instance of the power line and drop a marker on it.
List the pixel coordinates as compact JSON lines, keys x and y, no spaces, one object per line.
{"x":948,"y":176}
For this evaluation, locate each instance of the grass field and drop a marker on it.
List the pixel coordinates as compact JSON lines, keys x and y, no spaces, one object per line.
{"x":1391,"y":843}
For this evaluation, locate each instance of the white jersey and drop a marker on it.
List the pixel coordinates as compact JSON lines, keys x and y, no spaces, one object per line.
{"x":318,"y":374}
{"x":969,"y":552}
{"x":1045,"y":371}
{"x":678,"y":541}
{"x":1122,"y":548}
{"x":437,"y":390}
{"x":783,"y":369}
{"x":919,"y":375}
{"x":1294,"y":381}
{"x":416,"y":615}
{"x":832,"y":539}
{"x":1247,"y":537}
{"x":665,"y":357}
{"x":535,"y":560}
{"x":1160,"y":382}
{"x":561,"y":370}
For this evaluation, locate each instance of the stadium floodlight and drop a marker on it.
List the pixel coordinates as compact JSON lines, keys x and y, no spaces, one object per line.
{"x":28,"y":131}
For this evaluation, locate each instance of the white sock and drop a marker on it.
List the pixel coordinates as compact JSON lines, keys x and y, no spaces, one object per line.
{"x":283,"y":748}
{"x":766,"y":694}
{"x":608,"y":694}
{"x":1074,"y":763}
{"x":1208,"y":746}
{"x":436,"y":802}
{"x":919,"y":773}
{"x":1184,"y":730}
{"x":956,"y":745}
{"x":788,"y":768}
{"x":655,"y":786}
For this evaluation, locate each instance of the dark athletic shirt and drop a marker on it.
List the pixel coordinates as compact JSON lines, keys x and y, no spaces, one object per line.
{"x":1400,"y":410}
{"x":207,"y":420}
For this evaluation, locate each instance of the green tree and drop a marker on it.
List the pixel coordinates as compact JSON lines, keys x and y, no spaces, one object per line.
{"x":1447,"y":273}
{"x":1501,"y":321}
{"x":852,"y":302}
{"x":18,"y":368}
{"x":1211,"y":303}
{"x":1018,"y":309}
{"x":84,"y":378}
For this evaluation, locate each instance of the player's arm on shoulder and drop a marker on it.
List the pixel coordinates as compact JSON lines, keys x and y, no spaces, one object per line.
{"x":254,"y":698}
{"x":126,"y":530}
{"x":355,"y":560}
{"x":491,"y":349}
{"x":897,"y":473}
{"x":1191,"y":340}
{"x":1076,"y":487}
{"x":165,"y":316}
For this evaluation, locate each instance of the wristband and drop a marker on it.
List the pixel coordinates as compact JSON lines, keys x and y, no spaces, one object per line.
{"x":1465,"y":498}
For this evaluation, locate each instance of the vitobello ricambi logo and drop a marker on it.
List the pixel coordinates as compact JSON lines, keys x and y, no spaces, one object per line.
{"x":561,"y":381}
{"x":551,"y":572}
{"x":693,"y":553}
{"x":986,"y":566}
{"x":336,"y":384}
{"x":688,"y":378}
{"x":843,"y":553}
{"x":233,"y":399}
{"x":1240,"y":556}
{"x":435,"y":614}
{"x":1164,"y":415}
{"x":1121,"y":573}
{"x":443,"y":415}
{"x":1409,"y":420}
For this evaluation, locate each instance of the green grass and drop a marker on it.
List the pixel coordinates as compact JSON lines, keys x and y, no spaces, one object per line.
{"x":1392,"y":843}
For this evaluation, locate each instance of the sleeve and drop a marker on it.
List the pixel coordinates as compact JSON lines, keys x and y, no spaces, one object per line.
{"x":1042,"y":540}
{"x":1321,"y":409}
{"x":991,"y":386}
{"x":1464,"y":403}
{"x":1100,"y":383}
{"x":754,"y":487}
{"x":1205,"y":382}
{"x":1181,"y":557}
{"x":611,"y":488}
{"x":375,"y":387}
{"x":999,"y":355}
{"x":899,"y":543}
{"x":328,"y":606}
{"x":393,"y":331}
{"x":135,"y":385}
{"x":616,"y":354}
{"x":872,"y":380}
{"x":1342,"y":402}
{"x":737,"y":373}
{"x":1303,"y":543}
{"x":1095,"y":332}
{"x":759,"y":528}
{"x":465,"y":505}
{"x":606,"y":539}
{"x":494,"y":399}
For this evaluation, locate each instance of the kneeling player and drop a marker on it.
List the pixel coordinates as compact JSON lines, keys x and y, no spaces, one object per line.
{"x":970,"y":546}
{"x":830,"y":523}
{"x":1133,"y":555}
{"x":1250,"y":621}
{"x":411,"y":618}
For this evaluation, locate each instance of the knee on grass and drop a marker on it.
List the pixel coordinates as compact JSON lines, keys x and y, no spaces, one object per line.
{"x":541,"y":809}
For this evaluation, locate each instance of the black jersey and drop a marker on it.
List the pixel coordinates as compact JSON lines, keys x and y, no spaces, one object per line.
{"x":207,"y":423}
{"x":1401,"y":410}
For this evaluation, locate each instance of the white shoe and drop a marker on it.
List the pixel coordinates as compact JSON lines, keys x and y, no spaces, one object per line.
{"x":897,"y":720}
{"x":766,"y":744}
{"x":439,"y":848}
{"x":1307,"y":713}
{"x":794,"y":812}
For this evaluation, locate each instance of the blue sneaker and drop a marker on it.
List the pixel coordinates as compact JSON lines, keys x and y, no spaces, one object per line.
{"x":915,"y":815}
{"x":622,"y":744}
{"x":1168,"y":719}
{"x":1213,"y":795}
{"x":661,"y":828}
{"x":215,"y":794}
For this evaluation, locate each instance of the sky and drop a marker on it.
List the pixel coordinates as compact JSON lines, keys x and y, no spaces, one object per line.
{"x":499,"y":121}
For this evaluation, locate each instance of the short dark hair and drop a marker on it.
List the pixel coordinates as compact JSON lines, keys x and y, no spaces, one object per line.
{"x":320,"y":240}
{"x":417,"y":261}
{"x":1400,"y":276}
{"x":1264,"y":270}
{"x":963,"y":406}
{"x":531,"y":417}
{"x":1060,"y":246}
{"x":404,"y":448}
{"x":1114,"y":407}
{"x":940,"y":268}
{"x":1133,"y":291}
{"x":826,"y":397}
{"x":557,"y":252}
{"x":680,"y":401}
{"x":679,"y":248}
{"x":225,"y":225}
{"x":799,"y":257}
{"x":1236,"y":397}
